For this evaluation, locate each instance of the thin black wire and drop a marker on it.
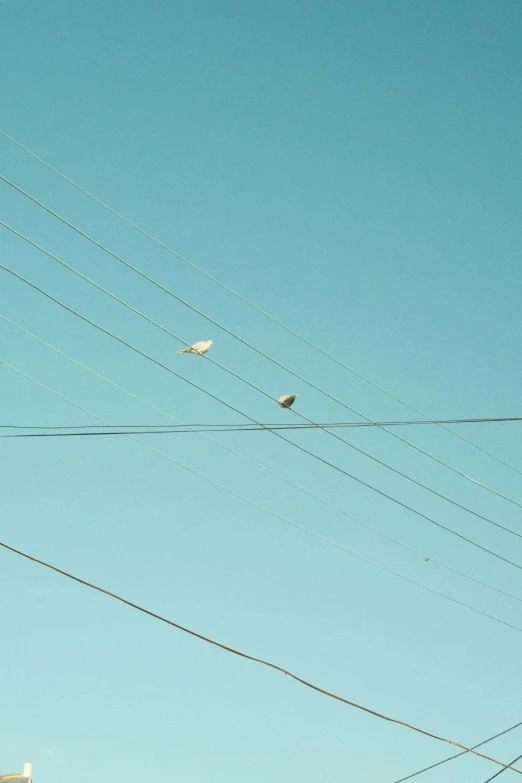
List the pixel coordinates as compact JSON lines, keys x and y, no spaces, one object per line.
{"x":296,"y":426}
{"x":259,"y":309}
{"x":250,"y":502}
{"x":157,"y":430}
{"x":236,"y":410}
{"x":261,"y":661}
{"x":232,"y":334}
{"x":122,"y":431}
{"x":228,"y":448}
{"x":268,"y":315}
{"x":456,"y":755}
{"x":498,"y":773}
{"x":244,"y":380}
{"x":266,"y":394}
{"x":272,"y":513}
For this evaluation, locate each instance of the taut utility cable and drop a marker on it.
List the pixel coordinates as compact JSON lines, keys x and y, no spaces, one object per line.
{"x":498,"y":773}
{"x":273,"y":666}
{"x":154,"y":429}
{"x":240,"y":339}
{"x":257,"y":388}
{"x":257,"y":506}
{"x":456,"y":755}
{"x":238,"y":427}
{"x":257,"y":464}
{"x":297,"y":446}
{"x":260,"y":310}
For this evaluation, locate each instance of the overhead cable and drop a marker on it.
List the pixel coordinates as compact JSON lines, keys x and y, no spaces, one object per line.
{"x":262,"y":508}
{"x":456,"y":755}
{"x":297,"y":426}
{"x":297,"y":446}
{"x":156,"y":429}
{"x":232,"y":334}
{"x":498,"y":773}
{"x":256,"y":307}
{"x":307,"y":492}
{"x":252,"y":658}
{"x":262,"y":391}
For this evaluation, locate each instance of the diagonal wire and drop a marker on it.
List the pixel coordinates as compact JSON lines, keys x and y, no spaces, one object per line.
{"x":244,"y":342}
{"x":257,"y":388}
{"x":253,"y":659}
{"x":498,"y":773}
{"x":265,"y":313}
{"x":277,"y":434}
{"x":262,"y":508}
{"x":450,"y":758}
{"x":257,"y":464}
{"x":273,"y":319}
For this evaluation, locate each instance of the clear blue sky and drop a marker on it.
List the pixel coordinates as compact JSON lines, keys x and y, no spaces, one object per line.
{"x":355,"y":169}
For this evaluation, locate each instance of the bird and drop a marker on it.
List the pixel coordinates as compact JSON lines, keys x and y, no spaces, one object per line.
{"x":198,"y":348}
{"x":287,"y":400}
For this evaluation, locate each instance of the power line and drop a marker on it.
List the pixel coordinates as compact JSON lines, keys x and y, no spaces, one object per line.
{"x":300,"y":448}
{"x":123,"y":431}
{"x":259,"y":309}
{"x":498,"y":773}
{"x":159,"y":430}
{"x":266,"y":394}
{"x":262,"y":508}
{"x":450,"y":758}
{"x":227,"y":331}
{"x":296,"y":426}
{"x":261,"y":391}
{"x":261,"y":661}
{"x":259,"y":465}
{"x":311,"y":344}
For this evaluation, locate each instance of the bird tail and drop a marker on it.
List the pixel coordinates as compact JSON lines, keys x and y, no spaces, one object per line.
{"x":185,"y":350}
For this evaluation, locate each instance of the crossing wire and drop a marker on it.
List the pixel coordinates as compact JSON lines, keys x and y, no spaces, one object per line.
{"x":304,"y":340}
{"x":498,"y":773}
{"x":241,"y":340}
{"x":456,"y":755}
{"x":253,"y":386}
{"x":236,"y":410}
{"x":262,"y":508}
{"x":261,"y":661}
{"x":259,"y":309}
{"x":259,"y":465}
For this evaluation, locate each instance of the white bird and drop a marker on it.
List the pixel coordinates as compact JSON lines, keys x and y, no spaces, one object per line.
{"x":287,"y":400}
{"x":198,"y":348}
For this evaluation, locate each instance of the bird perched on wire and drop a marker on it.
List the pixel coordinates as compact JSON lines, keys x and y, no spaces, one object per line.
{"x":287,"y":400}
{"x":198,"y":348}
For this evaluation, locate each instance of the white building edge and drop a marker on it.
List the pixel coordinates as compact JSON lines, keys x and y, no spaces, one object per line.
{"x":19,"y":777}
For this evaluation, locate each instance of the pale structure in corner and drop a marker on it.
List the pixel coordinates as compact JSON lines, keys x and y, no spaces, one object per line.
{"x":19,"y":777}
